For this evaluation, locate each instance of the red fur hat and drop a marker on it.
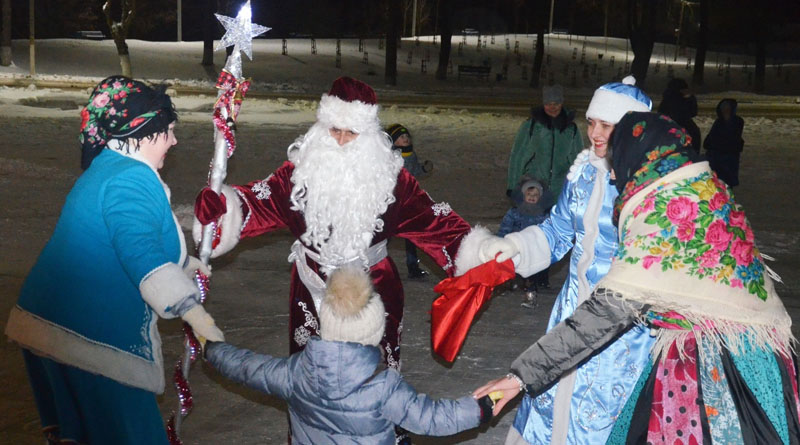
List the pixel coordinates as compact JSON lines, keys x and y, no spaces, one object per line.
{"x":349,"y":90}
{"x":350,"y":104}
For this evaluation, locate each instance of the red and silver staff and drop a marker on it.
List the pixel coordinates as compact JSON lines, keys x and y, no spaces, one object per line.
{"x":239,"y":33}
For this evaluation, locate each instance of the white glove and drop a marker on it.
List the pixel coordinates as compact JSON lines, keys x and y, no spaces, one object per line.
{"x":193,"y":264}
{"x":491,"y":247}
{"x":202,"y":324}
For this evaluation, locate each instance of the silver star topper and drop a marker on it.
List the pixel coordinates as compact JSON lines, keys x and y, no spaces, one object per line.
{"x":239,"y":32}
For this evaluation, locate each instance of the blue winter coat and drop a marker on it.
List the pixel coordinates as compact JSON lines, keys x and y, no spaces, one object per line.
{"x":336,"y":397}
{"x":81,"y":303}
{"x":603,"y":383}
{"x":516,"y":220}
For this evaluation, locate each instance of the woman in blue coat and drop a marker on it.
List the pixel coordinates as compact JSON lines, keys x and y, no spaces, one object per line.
{"x":86,"y":315}
{"x":582,"y":407}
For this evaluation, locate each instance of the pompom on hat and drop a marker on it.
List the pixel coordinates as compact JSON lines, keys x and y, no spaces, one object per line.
{"x":349,"y":105}
{"x":351,"y":311}
{"x":612,"y":100}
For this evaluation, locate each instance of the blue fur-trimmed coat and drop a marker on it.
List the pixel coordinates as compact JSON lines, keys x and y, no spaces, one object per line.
{"x":109,"y":270}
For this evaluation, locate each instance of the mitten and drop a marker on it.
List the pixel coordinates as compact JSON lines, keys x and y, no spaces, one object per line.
{"x":202,"y":324}
{"x":209,"y":206}
{"x":501,"y":248}
{"x":193,"y":264}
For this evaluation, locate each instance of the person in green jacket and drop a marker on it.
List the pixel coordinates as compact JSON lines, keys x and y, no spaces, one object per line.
{"x":546,"y":144}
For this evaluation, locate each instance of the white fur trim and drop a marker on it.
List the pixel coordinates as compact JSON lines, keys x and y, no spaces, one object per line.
{"x":576,"y":167}
{"x":165,"y":287}
{"x":231,"y":222}
{"x":366,"y":327}
{"x":534,"y":250}
{"x":356,"y":116}
{"x":58,"y":343}
{"x":468,"y":255}
{"x":610,"y":106}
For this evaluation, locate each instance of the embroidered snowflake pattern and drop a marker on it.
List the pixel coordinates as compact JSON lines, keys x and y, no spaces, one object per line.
{"x":449,"y":260}
{"x":301,"y":336}
{"x":261,"y":189}
{"x":311,"y":320}
{"x":441,"y":209}
{"x":390,"y":360}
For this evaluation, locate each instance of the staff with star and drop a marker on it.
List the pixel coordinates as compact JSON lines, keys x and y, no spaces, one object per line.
{"x":239,"y":33}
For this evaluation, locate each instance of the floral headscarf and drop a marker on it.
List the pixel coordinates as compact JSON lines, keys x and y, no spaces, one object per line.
{"x":122,"y":108}
{"x":647,"y":146}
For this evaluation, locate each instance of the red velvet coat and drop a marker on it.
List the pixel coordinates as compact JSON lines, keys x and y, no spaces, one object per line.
{"x":434,"y":228}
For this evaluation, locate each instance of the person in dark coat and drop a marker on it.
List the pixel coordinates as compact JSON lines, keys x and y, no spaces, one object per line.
{"x":680,"y":104}
{"x":724,"y":142}
{"x":546,"y":144}
{"x":335,"y":393}
{"x":401,"y":140}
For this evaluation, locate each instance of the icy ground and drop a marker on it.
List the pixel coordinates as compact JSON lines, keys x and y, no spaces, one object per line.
{"x":39,"y":160}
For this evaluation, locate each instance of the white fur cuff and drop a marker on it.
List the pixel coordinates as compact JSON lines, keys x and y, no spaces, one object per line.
{"x":356,"y":116}
{"x":165,"y":288}
{"x":468,"y":255}
{"x":534,"y":250}
{"x":231,"y":223}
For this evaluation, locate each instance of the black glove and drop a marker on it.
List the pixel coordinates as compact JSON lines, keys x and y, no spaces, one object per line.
{"x":486,"y":405}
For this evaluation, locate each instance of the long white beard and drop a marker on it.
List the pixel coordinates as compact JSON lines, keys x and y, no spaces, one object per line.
{"x":342,"y":192}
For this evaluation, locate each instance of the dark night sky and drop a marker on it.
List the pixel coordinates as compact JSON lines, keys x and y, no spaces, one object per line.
{"x":731,"y":21}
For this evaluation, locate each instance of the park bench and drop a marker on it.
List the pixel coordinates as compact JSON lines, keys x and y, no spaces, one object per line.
{"x":479,"y":71}
{"x":91,"y":35}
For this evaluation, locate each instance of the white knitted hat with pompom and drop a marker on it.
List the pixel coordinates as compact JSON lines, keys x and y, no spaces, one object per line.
{"x":351,"y":311}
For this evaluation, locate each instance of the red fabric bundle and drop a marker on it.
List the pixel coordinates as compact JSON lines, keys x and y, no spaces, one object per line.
{"x":462,"y":297}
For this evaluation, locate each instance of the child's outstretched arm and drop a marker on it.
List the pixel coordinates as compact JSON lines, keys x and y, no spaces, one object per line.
{"x":258,"y":371}
{"x":420,"y":414}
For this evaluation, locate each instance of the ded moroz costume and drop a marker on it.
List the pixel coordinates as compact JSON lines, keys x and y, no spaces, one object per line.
{"x":343,"y":203}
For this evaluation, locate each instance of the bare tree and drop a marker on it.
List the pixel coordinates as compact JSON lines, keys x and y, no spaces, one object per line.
{"x":392,"y":35}
{"x":119,"y":31}
{"x":209,"y":30}
{"x":5,"y":39}
{"x":761,"y":56}
{"x":539,"y":20}
{"x":641,"y":28}
{"x":445,"y":14}
{"x":702,"y":45}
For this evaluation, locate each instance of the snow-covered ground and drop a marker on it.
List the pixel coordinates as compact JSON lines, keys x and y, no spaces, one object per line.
{"x":578,"y":63}
{"x":39,"y":159}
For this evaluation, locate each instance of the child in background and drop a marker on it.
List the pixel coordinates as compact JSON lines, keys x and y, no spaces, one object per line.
{"x":532,"y":206}
{"x":401,"y":140}
{"x":335,"y":395}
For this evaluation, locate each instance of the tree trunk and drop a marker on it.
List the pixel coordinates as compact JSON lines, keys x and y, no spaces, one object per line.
{"x":125,"y":63}
{"x":5,"y":39}
{"x":536,"y":69}
{"x":446,"y":29}
{"x":702,"y":45}
{"x":641,"y":26}
{"x":761,"y":58}
{"x":392,"y":35}
{"x":119,"y":31}
{"x":209,"y":29}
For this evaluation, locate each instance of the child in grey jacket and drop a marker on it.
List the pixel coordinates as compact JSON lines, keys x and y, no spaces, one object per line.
{"x":335,"y":395}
